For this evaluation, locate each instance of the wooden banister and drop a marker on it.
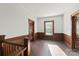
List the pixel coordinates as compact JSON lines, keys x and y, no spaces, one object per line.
{"x":13,"y":43}
{"x":27,"y":43}
{"x":21,"y":52}
{"x":10,"y":48}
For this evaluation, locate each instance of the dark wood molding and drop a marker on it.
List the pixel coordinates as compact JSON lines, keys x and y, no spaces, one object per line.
{"x":68,"y":40}
{"x":39,"y":35}
{"x":31,"y":29}
{"x":56,"y":36}
{"x":74,"y":22}
{"x":45,"y":26}
{"x":17,"y":38}
{"x":2,"y":37}
{"x":74,"y":28}
{"x":10,"y":45}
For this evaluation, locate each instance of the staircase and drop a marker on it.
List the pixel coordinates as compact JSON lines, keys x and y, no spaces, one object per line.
{"x":14,"y":48}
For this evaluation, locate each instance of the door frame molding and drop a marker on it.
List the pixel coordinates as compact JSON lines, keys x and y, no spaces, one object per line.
{"x":31,"y":23}
{"x":45,"y":26}
{"x":73,"y":28}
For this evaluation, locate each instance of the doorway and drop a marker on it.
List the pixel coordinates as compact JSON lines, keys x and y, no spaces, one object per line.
{"x":49,"y":30}
{"x":75,"y":30}
{"x":31,"y":29}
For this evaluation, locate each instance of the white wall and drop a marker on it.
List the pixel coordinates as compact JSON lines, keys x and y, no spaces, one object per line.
{"x":67,"y":18}
{"x":58,"y":23}
{"x":13,"y":20}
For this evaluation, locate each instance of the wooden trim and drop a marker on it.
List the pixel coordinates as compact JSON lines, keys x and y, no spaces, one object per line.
{"x":9,"y":45}
{"x":73,"y":31}
{"x":68,"y":40}
{"x":39,"y":35}
{"x":75,"y":13}
{"x":2,"y":37}
{"x":27,"y":44}
{"x":31,"y":27}
{"x":17,"y":38}
{"x":12,"y":48}
{"x":74,"y":22}
{"x":45,"y":26}
{"x":13,"y":43}
{"x":56,"y":36}
{"x":21,"y":52}
{"x":74,"y":25}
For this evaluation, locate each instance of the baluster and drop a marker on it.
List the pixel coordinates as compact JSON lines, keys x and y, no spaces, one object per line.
{"x":27,"y":44}
{"x":5,"y":49}
{"x":8,"y":49}
{"x":22,"y":53}
{"x":2,"y":37}
{"x":12,"y":48}
{"x":16,"y":48}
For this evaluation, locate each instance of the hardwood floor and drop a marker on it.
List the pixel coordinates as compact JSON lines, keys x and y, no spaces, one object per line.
{"x":51,"y":48}
{"x":39,"y":48}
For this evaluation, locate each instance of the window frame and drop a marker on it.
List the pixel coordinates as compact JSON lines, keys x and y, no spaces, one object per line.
{"x":45,"y":27}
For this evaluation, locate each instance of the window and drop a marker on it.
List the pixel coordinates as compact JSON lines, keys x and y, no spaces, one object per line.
{"x":49,"y":27}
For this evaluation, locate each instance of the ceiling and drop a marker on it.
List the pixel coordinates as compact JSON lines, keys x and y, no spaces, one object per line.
{"x":47,"y":9}
{"x":43,"y":9}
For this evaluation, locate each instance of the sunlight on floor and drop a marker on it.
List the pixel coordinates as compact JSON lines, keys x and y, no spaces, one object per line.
{"x":56,"y":50}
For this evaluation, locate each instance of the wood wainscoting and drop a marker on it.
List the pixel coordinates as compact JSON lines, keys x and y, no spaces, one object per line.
{"x":56,"y":36}
{"x":17,"y":38}
{"x":68,"y":40}
{"x":39,"y":35}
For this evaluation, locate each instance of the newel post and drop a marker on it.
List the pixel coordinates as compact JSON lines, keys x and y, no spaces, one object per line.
{"x":27,"y":45}
{"x":2,"y":37}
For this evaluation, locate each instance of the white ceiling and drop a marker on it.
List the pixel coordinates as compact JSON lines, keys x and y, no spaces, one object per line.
{"x":43,"y":9}
{"x":47,"y":9}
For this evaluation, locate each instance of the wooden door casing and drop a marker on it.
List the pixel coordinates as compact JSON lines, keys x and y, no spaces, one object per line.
{"x":31,"y":29}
